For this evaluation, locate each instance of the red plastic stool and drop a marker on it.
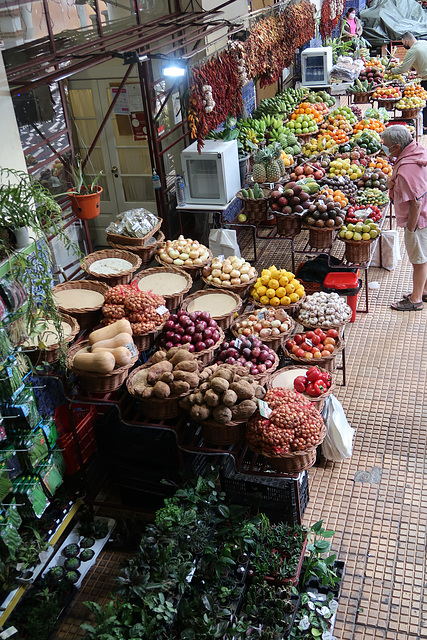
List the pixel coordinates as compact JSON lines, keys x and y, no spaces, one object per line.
{"x":345,"y":283}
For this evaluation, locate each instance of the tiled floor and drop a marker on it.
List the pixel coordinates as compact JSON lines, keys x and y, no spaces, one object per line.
{"x":380,"y":523}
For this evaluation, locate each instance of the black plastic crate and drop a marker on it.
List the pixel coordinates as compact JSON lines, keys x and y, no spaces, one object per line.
{"x":277,"y":497}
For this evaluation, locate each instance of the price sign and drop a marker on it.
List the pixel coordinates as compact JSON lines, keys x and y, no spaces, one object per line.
{"x":271,"y":185}
{"x":261,"y":315}
{"x":221,"y":258}
{"x":309,"y":342}
{"x":264,"y":409}
{"x":132,"y":348}
{"x":162,"y":310}
{"x":237,"y":343}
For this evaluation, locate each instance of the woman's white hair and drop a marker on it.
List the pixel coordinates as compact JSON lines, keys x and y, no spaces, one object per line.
{"x":396,"y":134}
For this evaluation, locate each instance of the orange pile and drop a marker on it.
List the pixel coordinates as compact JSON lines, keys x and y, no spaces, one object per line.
{"x":305,"y":108}
{"x":387,"y":92}
{"x":415,"y":90}
{"x":340,"y":198}
{"x":369,"y":123}
{"x":326,"y":191}
{"x":382,"y":164}
{"x":339,"y":136}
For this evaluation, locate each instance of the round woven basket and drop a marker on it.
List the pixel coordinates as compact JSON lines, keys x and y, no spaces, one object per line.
{"x":51,"y":353}
{"x":134,"y":242}
{"x":194,"y":271}
{"x":143,"y":341}
{"x":409,"y":113}
{"x":358,"y":252}
{"x":290,"y":308}
{"x":274,"y":343}
{"x":241,"y":290}
{"x":387,"y":103}
{"x":173,"y":300}
{"x":288,"y":225}
{"x":123,"y":277}
{"x":318,"y":326}
{"x":320,"y":238}
{"x":98,"y":382}
{"x":306,"y":136}
{"x":223,"y":434}
{"x":225,"y":320}
{"x":87,"y":317}
{"x":255,"y":209}
{"x":317,"y":401}
{"x":146,"y":252}
{"x":362,"y":97}
{"x":295,"y":461}
{"x":206,"y":356}
{"x":158,"y":408}
{"x":324,"y":362}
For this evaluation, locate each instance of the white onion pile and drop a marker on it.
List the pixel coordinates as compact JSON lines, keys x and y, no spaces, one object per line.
{"x":184,"y":252}
{"x":265,"y":323}
{"x":324,"y":310}
{"x":230,"y":272}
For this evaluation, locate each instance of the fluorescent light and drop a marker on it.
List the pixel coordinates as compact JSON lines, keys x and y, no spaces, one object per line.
{"x":174,"y":70}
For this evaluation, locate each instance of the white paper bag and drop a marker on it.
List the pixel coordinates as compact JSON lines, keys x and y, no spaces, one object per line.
{"x":338,"y":442}
{"x":390,"y":251}
{"x":223,"y":242}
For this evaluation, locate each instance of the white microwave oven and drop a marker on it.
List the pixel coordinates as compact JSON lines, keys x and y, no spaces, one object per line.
{"x":211,"y":177}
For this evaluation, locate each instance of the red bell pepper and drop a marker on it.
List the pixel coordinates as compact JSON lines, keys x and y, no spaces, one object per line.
{"x":300,"y":383}
{"x":326,"y":377}
{"x":316,"y":388}
{"x":313,"y":374}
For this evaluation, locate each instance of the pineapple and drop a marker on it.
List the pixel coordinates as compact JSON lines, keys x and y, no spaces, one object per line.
{"x":258,"y":172}
{"x":273,"y":169}
{"x":282,"y":166}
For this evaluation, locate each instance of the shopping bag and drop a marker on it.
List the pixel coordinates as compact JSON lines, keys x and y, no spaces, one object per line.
{"x":223,"y":242}
{"x":338,"y":442}
{"x":390,"y":251}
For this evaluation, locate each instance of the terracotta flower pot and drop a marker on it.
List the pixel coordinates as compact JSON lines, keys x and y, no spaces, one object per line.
{"x":86,"y":206}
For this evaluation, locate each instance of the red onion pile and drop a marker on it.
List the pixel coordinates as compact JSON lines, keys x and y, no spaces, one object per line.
{"x":251,"y":352}
{"x":197,"y":329}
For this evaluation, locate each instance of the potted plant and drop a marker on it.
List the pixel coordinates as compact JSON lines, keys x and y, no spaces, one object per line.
{"x":319,"y":568}
{"x":85,"y":195}
{"x":86,"y":555}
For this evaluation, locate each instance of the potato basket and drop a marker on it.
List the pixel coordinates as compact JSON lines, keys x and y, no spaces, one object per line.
{"x":158,"y":408}
{"x":121,"y":277}
{"x":255,"y":209}
{"x":98,"y":382}
{"x":87,"y":317}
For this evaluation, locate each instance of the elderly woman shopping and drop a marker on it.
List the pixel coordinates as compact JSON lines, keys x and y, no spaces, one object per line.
{"x":408,"y":192}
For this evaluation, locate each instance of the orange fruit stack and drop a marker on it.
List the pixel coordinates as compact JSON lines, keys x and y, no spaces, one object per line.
{"x":339,"y":136}
{"x":369,"y":123}
{"x":382,"y":164}
{"x":305,"y":108}
{"x":340,"y":198}
{"x":415,"y":90}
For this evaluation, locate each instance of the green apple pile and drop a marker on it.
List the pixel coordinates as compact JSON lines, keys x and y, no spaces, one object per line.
{"x":303,"y":124}
{"x":361,"y":231}
{"x":372,"y":196}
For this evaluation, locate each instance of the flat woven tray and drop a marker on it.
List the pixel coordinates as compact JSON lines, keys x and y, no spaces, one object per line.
{"x":173,"y":300}
{"x":121,"y":277}
{"x":224,"y":320}
{"x":51,"y":353}
{"x":135,"y":242}
{"x":98,"y":382}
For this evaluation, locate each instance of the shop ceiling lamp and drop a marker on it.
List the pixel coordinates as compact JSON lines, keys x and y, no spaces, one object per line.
{"x":174,"y":69}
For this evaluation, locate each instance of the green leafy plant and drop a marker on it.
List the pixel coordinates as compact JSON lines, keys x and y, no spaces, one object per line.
{"x":81,"y":183}
{"x":231,"y":132}
{"x":318,"y":565}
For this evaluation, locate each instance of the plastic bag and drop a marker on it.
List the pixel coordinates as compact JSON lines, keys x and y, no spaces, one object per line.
{"x":223,"y":242}
{"x":338,"y":443}
{"x":390,"y":251}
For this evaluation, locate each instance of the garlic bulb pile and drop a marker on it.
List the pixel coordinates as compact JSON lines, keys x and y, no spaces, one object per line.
{"x":208,"y":101}
{"x":184,"y":252}
{"x":324,"y":310}
{"x":230,"y":272}
{"x":265,"y":323}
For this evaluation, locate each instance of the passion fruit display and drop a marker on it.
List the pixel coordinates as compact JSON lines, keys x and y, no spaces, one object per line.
{"x":324,"y":212}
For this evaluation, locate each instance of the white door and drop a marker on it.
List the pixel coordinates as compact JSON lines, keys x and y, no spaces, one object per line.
{"x":124,"y":160}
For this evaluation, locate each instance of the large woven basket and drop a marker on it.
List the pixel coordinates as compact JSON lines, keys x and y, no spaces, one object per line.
{"x":173,"y":300}
{"x":288,"y":225}
{"x":51,"y":353}
{"x":358,"y":252}
{"x":241,"y":290}
{"x":194,"y":271}
{"x":134,"y":242}
{"x":225,"y":320}
{"x":317,"y":401}
{"x":146,"y":252}
{"x":292,"y":308}
{"x":327,"y":362}
{"x":274,"y":343}
{"x":295,"y":461}
{"x":409,"y":113}
{"x":144,"y":341}
{"x":255,"y":209}
{"x":362,"y":97}
{"x":98,"y":382}
{"x":223,"y":434}
{"x":206,"y":356}
{"x":87,"y":317}
{"x":158,"y":408}
{"x":320,"y":238}
{"x":123,"y":277}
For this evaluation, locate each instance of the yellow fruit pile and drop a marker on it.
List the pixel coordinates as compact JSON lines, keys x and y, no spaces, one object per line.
{"x":277,"y":287}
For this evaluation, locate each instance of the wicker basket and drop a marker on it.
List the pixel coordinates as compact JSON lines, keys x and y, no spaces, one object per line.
{"x":193,"y":271}
{"x":288,"y":225}
{"x":173,"y":300}
{"x":295,"y":461}
{"x":206,"y":356}
{"x":51,"y":353}
{"x":87,"y":317}
{"x":223,"y":434}
{"x":317,"y":326}
{"x":146,"y":252}
{"x":387,"y":103}
{"x":255,"y":209}
{"x":261,"y":378}
{"x":358,"y":251}
{"x":158,"y":408}
{"x":362,"y":97}
{"x":123,"y":277}
{"x":134,"y":242}
{"x":241,"y":290}
{"x":409,"y":113}
{"x":327,"y":362}
{"x":274,"y":343}
{"x":225,"y":320}
{"x":306,"y":136}
{"x":320,"y":238}
{"x":317,"y":401}
{"x":290,"y":308}
{"x":98,"y":382}
{"x":145,"y":341}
